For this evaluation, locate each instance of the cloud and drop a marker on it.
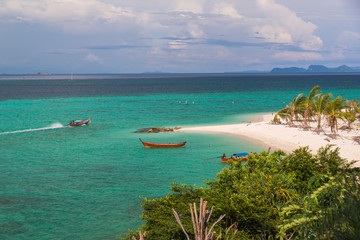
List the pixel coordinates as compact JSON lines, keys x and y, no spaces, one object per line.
{"x":346,"y":46}
{"x":177,"y":44}
{"x":194,"y":6}
{"x":297,"y":56}
{"x":348,"y":40}
{"x":92,"y":58}
{"x":266,"y":20}
{"x":113,"y":47}
{"x":65,"y":13}
{"x":226,"y":9}
{"x":280,"y":24}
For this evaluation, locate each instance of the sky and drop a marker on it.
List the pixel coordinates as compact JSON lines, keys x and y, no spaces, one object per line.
{"x":178,"y":36}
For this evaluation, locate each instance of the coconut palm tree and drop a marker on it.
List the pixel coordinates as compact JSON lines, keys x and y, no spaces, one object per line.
{"x":334,"y":111}
{"x":318,"y":105}
{"x":352,"y":111}
{"x":284,"y":113}
{"x":306,"y":105}
{"x":356,"y":106}
{"x":292,"y":110}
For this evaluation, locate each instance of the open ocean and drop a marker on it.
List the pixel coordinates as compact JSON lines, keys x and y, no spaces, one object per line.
{"x":58,"y":182}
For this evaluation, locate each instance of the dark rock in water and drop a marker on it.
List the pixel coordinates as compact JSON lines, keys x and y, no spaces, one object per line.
{"x":156,"y":130}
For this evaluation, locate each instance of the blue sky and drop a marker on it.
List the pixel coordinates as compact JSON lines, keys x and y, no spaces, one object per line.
{"x":134,"y":36}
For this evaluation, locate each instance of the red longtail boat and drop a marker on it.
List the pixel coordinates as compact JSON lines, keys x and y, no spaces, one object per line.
{"x":164,"y":145}
{"x":238,"y":156}
{"x":235,"y":157}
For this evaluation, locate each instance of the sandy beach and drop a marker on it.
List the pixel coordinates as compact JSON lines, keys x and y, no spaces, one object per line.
{"x":288,"y":138}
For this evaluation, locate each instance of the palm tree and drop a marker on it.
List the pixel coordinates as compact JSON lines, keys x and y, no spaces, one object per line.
{"x":284,"y":113}
{"x":306,"y":105}
{"x":333,"y":111}
{"x":292,"y":110}
{"x":356,"y":106}
{"x":350,"y":113}
{"x":318,"y":105}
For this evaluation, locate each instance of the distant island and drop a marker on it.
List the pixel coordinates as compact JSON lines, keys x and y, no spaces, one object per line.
{"x":315,"y":69}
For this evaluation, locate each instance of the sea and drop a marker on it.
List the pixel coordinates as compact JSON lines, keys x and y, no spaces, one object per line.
{"x":87,"y":182}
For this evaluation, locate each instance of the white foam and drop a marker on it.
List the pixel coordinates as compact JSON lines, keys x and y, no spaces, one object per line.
{"x":52,"y":126}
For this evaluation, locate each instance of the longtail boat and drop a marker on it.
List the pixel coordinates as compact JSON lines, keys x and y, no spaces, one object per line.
{"x":235,"y":157}
{"x":238,"y":156}
{"x":165,"y":145}
{"x":78,"y":123}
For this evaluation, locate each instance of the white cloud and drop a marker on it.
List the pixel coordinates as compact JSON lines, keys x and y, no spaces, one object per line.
{"x":276,"y":34}
{"x":226,"y":9}
{"x":346,"y":46}
{"x":197,"y":18}
{"x":194,"y":6}
{"x":92,"y":58}
{"x":297,"y":56}
{"x":348,"y":40}
{"x":195,"y":31}
{"x":65,"y":12}
{"x":177,"y":44}
{"x":280,"y":24}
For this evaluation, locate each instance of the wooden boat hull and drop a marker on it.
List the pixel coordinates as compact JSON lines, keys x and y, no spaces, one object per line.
{"x":243,"y":159}
{"x":163,"y":145}
{"x":77,"y":125}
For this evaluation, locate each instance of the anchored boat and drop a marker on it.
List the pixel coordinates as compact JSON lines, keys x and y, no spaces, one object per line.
{"x":235,"y":157}
{"x":165,"y":145}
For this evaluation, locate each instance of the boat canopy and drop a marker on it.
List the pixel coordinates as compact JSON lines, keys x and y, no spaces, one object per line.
{"x":241,"y":154}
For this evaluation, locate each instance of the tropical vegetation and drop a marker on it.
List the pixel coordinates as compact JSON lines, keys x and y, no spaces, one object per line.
{"x":272,"y":196}
{"x":317,"y":106}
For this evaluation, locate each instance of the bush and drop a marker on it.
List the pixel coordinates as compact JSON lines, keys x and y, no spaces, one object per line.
{"x":270,"y":196}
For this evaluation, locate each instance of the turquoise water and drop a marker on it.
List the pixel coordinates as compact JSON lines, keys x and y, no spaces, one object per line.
{"x":85,"y":182}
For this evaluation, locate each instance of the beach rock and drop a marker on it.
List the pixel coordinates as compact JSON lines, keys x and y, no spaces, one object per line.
{"x":156,"y":130}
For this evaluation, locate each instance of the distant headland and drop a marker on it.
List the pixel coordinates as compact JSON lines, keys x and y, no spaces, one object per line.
{"x":315,"y":69}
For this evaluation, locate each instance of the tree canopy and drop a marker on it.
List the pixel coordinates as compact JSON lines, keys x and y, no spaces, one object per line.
{"x":271,"y":196}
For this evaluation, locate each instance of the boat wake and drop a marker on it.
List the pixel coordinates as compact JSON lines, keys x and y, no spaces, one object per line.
{"x":52,"y":126}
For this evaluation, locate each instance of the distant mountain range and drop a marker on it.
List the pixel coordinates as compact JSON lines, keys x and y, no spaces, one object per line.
{"x":315,"y":69}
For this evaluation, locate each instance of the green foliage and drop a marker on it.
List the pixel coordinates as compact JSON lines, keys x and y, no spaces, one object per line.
{"x":332,"y":211}
{"x":160,"y":221}
{"x":232,"y":233}
{"x":272,"y":195}
{"x":303,"y":166}
{"x":329,"y":160}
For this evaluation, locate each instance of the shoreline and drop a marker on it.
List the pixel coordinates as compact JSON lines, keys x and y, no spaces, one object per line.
{"x":287,"y":138}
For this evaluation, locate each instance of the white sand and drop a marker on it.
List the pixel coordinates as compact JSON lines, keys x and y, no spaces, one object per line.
{"x":289,"y":138}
